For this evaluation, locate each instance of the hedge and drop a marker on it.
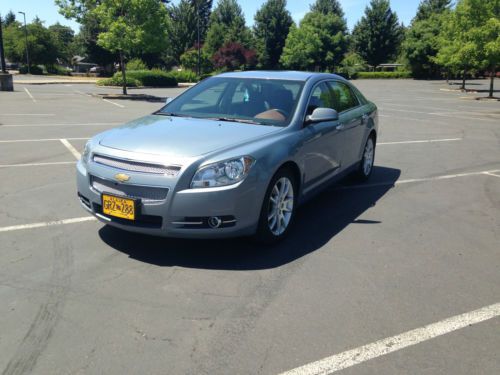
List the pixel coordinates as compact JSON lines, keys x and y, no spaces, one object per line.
{"x":34,"y":69}
{"x":118,"y":81}
{"x":379,"y":75}
{"x":153,"y":77}
{"x":156,"y":78}
{"x":185,"y":75}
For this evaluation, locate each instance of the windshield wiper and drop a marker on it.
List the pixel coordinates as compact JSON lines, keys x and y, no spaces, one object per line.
{"x":232,"y":119}
{"x":171,"y":114}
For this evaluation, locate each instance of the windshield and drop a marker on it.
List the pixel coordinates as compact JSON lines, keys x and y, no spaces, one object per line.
{"x":253,"y":101}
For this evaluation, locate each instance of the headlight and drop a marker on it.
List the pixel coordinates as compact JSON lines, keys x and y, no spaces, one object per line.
{"x":224,"y":173}
{"x":86,"y":153}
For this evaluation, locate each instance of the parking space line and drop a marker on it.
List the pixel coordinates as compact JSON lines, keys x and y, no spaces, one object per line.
{"x":27,"y":114}
{"x":420,"y":141}
{"x":82,"y":93}
{"x":47,"y":223}
{"x":76,"y":124}
{"x":388,"y":345}
{"x":41,"y":140}
{"x":492,"y":174}
{"x":424,"y":179}
{"x":29,"y":94}
{"x":36,"y":164}
{"x":414,"y":119}
{"x":71,"y":149}
{"x":118,"y":105}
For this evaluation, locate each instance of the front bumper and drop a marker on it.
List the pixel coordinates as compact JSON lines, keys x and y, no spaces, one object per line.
{"x":185,"y":212}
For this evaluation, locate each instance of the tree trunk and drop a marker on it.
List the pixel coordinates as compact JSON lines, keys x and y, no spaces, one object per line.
{"x":463,"y":79}
{"x":492,"y":78}
{"x":124,"y":76}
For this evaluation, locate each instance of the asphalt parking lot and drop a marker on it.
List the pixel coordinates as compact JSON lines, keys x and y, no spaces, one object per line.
{"x":418,"y":245}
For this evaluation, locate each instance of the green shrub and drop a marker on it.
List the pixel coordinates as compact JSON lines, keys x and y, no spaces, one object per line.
{"x":118,"y":81}
{"x":136,"y":64}
{"x":185,"y":75}
{"x":384,"y":75}
{"x":155,"y":77}
{"x":34,"y":69}
{"x":57,"y":69}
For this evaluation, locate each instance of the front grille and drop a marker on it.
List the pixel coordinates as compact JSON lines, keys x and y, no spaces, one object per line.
{"x":136,"y":166}
{"x":145,"y":193}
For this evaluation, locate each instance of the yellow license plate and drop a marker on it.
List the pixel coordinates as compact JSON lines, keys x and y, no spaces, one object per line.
{"x":118,"y":207}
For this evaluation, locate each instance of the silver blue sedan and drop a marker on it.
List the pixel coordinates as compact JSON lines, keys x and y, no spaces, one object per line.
{"x":234,"y":155}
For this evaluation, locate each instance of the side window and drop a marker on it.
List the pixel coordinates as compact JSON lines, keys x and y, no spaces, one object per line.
{"x":322,"y":96}
{"x":344,"y":97}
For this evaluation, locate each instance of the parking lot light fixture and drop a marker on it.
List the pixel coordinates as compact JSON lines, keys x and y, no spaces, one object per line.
{"x":26,"y":39}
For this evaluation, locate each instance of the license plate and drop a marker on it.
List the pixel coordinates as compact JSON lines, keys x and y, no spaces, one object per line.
{"x":123,"y":208}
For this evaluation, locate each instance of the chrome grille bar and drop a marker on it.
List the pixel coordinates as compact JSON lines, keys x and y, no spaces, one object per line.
{"x":136,"y":166}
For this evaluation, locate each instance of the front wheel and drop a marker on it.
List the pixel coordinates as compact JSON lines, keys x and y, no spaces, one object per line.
{"x":278,"y":209}
{"x":366,"y":165}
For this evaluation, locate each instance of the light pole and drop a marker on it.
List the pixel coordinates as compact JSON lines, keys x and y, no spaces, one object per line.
{"x":2,"y":56}
{"x":198,"y":37}
{"x":26,"y":37}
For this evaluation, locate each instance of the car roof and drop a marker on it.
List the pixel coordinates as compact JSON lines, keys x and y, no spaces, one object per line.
{"x":280,"y":74}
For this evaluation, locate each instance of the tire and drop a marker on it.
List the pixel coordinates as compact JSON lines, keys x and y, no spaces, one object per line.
{"x":365,"y":167}
{"x":278,"y":208}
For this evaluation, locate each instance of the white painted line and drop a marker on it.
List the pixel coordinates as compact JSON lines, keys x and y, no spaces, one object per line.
{"x":428,"y":121}
{"x":29,"y":94}
{"x":118,"y":105}
{"x":71,"y":149}
{"x":420,"y":141}
{"x":388,"y":345}
{"x":27,"y":114}
{"x":492,"y":174}
{"x":47,"y":224}
{"x":413,"y":180}
{"x":76,"y":124}
{"x":41,"y":140}
{"x":82,"y":93}
{"x":36,"y":164}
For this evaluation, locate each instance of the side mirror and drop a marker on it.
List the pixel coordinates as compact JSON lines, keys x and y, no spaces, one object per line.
{"x":168,"y":100}
{"x":322,"y":115}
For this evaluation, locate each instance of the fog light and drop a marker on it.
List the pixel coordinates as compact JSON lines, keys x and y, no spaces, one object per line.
{"x":214,"y":222}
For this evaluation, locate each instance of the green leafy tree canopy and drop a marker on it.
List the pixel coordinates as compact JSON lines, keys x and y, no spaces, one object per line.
{"x":272,"y":24}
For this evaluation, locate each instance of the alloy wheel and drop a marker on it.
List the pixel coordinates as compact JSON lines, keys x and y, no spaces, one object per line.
{"x":281,"y":203}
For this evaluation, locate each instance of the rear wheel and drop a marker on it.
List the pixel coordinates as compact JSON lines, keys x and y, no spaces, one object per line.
{"x":278,"y":209}
{"x":366,"y":165}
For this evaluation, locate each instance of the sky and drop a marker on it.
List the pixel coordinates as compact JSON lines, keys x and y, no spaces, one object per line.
{"x":47,"y":11}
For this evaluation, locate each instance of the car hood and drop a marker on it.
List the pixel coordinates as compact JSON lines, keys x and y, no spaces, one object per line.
{"x":180,"y":136}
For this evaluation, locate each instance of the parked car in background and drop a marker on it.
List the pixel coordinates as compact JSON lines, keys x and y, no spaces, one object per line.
{"x":234,"y":155}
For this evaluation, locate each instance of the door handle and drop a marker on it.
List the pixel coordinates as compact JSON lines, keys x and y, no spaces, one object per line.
{"x":364,"y":118}
{"x":340,"y":126}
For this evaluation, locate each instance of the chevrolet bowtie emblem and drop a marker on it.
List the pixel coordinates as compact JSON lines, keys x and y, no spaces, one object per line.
{"x":122,"y":177}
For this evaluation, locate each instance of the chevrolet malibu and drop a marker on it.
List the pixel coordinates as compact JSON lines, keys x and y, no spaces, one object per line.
{"x":234,"y":155}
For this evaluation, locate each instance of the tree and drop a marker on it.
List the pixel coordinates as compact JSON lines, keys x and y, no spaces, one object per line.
{"x":227,"y":24}
{"x":86,"y":39}
{"x":272,"y":24}
{"x":421,"y":42}
{"x":328,"y":6}
{"x":325,"y":52}
{"x":9,"y":19}
{"x":429,"y":7}
{"x":377,"y":36}
{"x":203,"y":9}
{"x":189,"y":60}
{"x":132,"y":26}
{"x":302,"y":48}
{"x":64,"y":38}
{"x":233,"y":56}
{"x":181,"y":28}
{"x":470,"y":38}
{"x":352,"y":64}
